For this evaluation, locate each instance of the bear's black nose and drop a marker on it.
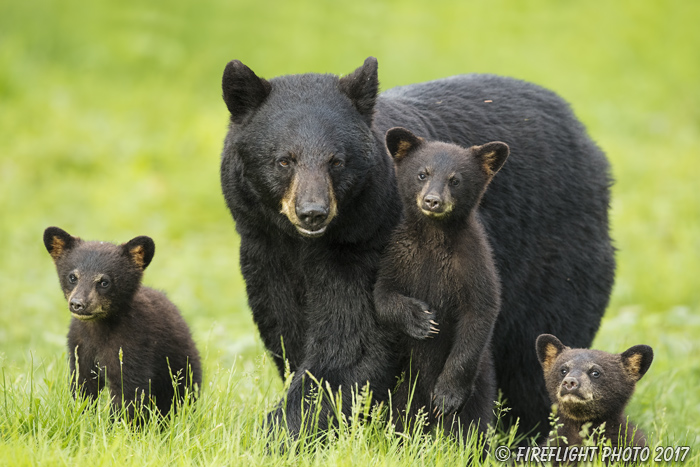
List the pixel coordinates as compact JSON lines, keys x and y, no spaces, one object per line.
{"x":432,"y":203}
{"x":76,"y":305}
{"x":569,"y":384}
{"x":312,"y":216}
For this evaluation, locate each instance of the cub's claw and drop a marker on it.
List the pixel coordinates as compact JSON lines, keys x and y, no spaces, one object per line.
{"x":420,"y":321}
{"x":447,"y":402}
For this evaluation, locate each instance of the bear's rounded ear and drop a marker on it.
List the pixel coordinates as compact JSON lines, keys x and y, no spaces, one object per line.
{"x":548,"y":349}
{"x":636,"y":360}
{"x":58,"y":241}
{"x":400,"y":142}
{"x":140,"y":250}
{"x":362,"y":86}
{"x":243,"y":91}
{"x":491,"y":156}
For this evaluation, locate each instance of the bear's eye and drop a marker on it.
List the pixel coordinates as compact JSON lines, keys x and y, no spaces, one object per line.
{"x":564,"y":371}
{"x":104,"y":283}
{"x":595,"y":373}
{"x":284,"y":162}
{"x":422,"y":176}
{"x":72,"y":278}
{"x":454,"y":181}
{"x":336,"y":163}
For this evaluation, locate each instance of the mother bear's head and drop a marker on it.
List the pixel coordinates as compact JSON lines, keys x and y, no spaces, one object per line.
{"x":300,"y":150}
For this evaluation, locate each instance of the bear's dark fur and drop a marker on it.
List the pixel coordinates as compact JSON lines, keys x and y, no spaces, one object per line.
{"x":438,"y":270}
{"x":592,"y":387}
{"x":306,"y":176}
{"x":116,"y":318}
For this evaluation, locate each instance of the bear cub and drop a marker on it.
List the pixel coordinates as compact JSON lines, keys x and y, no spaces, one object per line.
{"x":592,"y":387}
{"x":121,"y":332}
{"x":437,"y":284}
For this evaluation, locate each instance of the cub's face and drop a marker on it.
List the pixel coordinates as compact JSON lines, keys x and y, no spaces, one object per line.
{"x":97,"y":277}
{"x":588,"y":384}
{"x":441,"y":180}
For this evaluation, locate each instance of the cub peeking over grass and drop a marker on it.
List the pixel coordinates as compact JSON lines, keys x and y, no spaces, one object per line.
{"x":438,"y":270}
{"x":592,"y":387}
{"x":122,"y":333}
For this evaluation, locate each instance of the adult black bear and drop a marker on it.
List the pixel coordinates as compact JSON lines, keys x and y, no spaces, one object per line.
{"x":307,"y":178}
{"x":439,"y":266}
{"x":122,"y":333}
{"x":592,"y":387}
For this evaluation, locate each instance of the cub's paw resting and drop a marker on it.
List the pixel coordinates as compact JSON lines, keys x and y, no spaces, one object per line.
{"x":420,"y":321}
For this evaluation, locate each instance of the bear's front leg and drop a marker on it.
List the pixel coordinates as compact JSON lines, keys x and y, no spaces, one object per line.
{"x":87,"y":378}
{"x":408,"y":315}
{"x":130,"y":375}
{"x":472,"y":341}
{"x":345,"y":348}
{"x":275,"y":290}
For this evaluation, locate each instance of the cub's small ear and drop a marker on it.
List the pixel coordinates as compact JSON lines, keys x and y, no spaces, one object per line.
{"x":243,"y":91}
{"x":58,"y":242}
{"x":362,"y":86}
{"x":491,"y":156}
{"x":636,"y":360}
{"x":548,"y":349}
{"x":140,"y":250}
{"x":400,"y":142}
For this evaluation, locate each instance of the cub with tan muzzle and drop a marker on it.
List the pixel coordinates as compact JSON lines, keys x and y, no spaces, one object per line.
{"x":590,"y":389}
{"x":122,"y":333}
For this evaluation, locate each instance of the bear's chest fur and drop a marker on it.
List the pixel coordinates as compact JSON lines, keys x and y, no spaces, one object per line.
{"x":435,"y":265}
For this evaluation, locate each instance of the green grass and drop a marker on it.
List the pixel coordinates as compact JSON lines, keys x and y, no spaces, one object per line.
{"x":111,"y":125}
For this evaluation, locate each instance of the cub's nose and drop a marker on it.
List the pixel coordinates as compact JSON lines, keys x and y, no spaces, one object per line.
{"x":312,"y":216}
{"x":432,"y":203}
{"x":569,"y":384}
{"x":77,"y":305}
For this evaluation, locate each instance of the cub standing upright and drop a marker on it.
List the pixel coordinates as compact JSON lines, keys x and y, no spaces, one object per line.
{"x":439,"y":266}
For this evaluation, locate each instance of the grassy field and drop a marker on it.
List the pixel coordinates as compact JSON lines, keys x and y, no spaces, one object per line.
{"x":111,"y":126}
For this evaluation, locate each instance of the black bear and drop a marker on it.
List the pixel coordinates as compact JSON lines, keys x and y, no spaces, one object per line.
{"x":592,"y":387}
{"x":121,"y":332}
{"x":312,"y":190}
{"x":438,"y":269}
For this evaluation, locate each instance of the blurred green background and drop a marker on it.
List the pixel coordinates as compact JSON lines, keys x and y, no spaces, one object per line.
{"x":111,"y":126}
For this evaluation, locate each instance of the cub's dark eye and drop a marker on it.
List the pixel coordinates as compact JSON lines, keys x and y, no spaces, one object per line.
{"x":284,"y":162}
{"x":104,"y":283}
{"x":422,"y":176}
{"x":337,"y":163}
{"x":454,"y":181}
{"x":72,"y":278}
{"x":564,"y":371}
{"x":595,"y":374}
